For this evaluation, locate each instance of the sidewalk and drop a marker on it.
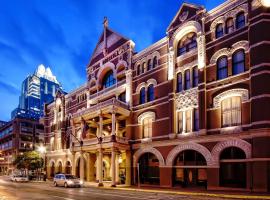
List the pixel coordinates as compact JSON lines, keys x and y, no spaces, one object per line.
{"x":190,"y":192}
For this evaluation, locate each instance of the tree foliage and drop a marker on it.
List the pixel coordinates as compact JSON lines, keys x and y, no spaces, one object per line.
{"x":30,"y":160}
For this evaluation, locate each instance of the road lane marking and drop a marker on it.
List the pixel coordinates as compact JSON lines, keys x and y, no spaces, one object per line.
{"x":59,"y":197}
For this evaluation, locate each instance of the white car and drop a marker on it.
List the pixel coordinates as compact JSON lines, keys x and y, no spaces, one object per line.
{"x":19,"y":178}
{"x":67,"y":180}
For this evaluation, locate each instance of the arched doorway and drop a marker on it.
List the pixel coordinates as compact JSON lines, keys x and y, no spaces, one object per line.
{"x":189,"y":169}
{"x":79,"y":168}
{"x":59,"y":167}
{"x":232,"y":172}
{"x":149,"y":169}
{"x":52,"y":170}
{"x":68,"y":167}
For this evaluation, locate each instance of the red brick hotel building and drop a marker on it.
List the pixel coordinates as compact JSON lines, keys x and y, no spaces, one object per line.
{"x":191,"y":110}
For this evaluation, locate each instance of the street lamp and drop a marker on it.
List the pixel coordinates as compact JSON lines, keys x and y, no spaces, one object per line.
{"x":42,"y":150}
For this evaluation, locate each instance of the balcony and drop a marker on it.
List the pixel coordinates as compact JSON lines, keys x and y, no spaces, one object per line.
{"x":111,"y":89}
{"x":102,"y":105}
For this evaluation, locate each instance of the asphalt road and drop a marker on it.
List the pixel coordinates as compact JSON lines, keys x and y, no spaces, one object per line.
{"x":46,"y":191}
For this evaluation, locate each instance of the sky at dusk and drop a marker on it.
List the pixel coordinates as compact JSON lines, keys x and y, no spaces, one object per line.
{"x":62,"y":34}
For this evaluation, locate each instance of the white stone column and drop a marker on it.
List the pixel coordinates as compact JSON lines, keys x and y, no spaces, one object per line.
{"x":113,"y":168}
{"x":73,"y":169}
{"x":117,"y":168}
{"x":113,"y":122}
{"x":201,"y":50}
{"x":171,"y":64}
{"x":100,"y":125}
{"x":81,"y":167}
{"x":117,"y":128}
{"x":100,"y":167}
{"x":191,"y":119}
{"x":129,"y":87}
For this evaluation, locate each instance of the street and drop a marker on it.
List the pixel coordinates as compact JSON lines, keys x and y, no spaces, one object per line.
{"x":21,"y":191}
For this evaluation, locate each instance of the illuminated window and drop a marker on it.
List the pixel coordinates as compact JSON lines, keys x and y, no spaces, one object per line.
{"x":180,"y":121}
{"x":108,"y":80}
{"x":229,"y":26}
{"x":238,"y":60}
{"x":219,"y":31}
{"x":187,"y":43}
{"x":144,"y":67}
{"x":240,"y":20}
{"x":222,"y":68}
{"x":188,"y":121}
{"x":147,"y":127}
{"x":231,"y":111}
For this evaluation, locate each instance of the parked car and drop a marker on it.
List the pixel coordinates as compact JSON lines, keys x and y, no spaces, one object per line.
{"x":19,"y":178}
{"x":67,"y":180}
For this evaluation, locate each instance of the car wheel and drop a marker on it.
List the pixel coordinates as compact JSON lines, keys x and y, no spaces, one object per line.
{"x":55,"y":184}
{"x":66,"y":185}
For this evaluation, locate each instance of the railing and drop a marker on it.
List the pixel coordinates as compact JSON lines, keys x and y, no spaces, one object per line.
{"x":99,"y":93}
{"x":101,"y":105}
{"x":123,"y":140}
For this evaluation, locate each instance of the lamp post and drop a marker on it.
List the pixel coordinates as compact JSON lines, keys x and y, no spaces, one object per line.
{"x":42,"y":151}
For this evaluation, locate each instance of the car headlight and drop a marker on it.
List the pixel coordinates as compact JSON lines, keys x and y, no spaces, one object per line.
{"x":81,"y":182}
{"x":70,"y":182}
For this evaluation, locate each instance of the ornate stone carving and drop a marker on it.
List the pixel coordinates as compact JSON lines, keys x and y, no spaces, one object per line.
{"x":243,"y":93}
{"x":187,"y":99}
{"x":190,"y":146}
{"x":152,"y":150}
{"x":201,"y":51}
{"x":219,"y":147}
{"x":219,"y":53}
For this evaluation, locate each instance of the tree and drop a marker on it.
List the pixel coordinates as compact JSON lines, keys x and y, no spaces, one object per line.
{"x":30,"y":160}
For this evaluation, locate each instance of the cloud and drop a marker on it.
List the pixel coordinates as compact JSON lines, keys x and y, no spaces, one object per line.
{"x":10,"y":88}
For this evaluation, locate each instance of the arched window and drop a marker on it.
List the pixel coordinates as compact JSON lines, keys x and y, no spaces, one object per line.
{"x":196,"y":119}
{"x":186,"y":44}
{"x":150,"y":93}
{"x":155,"y":62}
{"x":219,"y":30}
{"x":231,"y":111}
{"x":195,"y":76}
{"x":108,"y":79}
{"x":142,"y":96}
{"x":238,"y":60}
{"x":147,"y":127}
{"x":222,"y":67}
{"x":229,"y":25}
{"x":149,"y":65}
{"x":138,"y":69}
{"x":179,"y":82}
{"x":144,"y":69}
{"x":187,"y":79}
{"x":240,"y":20}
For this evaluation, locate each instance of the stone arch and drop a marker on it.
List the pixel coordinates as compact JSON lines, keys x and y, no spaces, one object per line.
{"x":52,"y":161}
{"x":103,"y":70}
{"x":120,"y":64}
{"x":241,"y":144}
{"x":139,"y":87}
{"x":150,"y":114}
{"x":151,"y":81}
{"x":244,"y":44}
{"x":218,"y":54}
{"x":144,"y":150}
{"x":191,"y":146}
{"x":191,"y":26}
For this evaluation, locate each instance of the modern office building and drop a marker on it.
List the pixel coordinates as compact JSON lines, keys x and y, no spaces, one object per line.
{"x":18,"y":136}
{"x":37,"y":89}
{"x":191,"y":110}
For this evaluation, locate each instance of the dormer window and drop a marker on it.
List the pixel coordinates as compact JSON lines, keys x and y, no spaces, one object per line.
{"x":108,"y":79}
{"x":188,"y":43}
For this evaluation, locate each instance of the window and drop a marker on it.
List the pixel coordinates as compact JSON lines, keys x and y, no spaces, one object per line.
{"x":142,"y":96}
{"x":144,"y":69}
{"x":122,"y":97}
{"x":108,"y":80}
{"x":188,"y":43}
{"x":222,"y":68}
{"x":187,"y":79}
{"x":188,"y":120}
{"x":219,"y":30}
{"x":139,"y":70}
{"x":147,"y":127}
{"x":240,"y":20}
{"x":196,"y":119}
{"x":195,"y":77}
{"x":150,"y":93}
{"x":179,"y":82}
{"x":231,"y":111}
{"x":149,"y":65}
{"x":180,"y":121}
{"x":155,"y":62}
{"x":229,"y":26}
{"x":238,"y":60}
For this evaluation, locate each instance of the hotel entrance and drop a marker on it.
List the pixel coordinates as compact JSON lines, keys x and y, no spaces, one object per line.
{"x":189,"y":170}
